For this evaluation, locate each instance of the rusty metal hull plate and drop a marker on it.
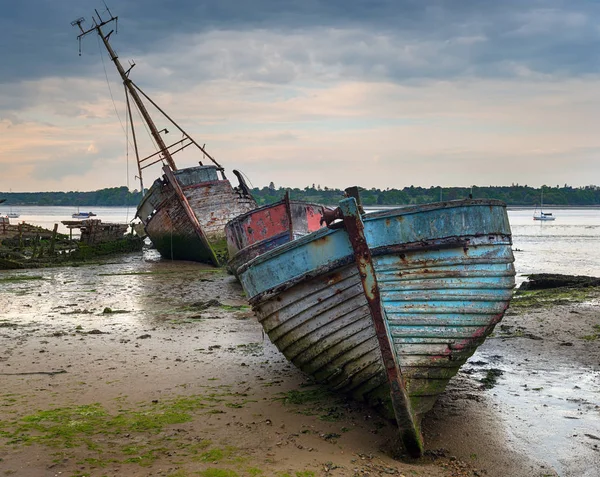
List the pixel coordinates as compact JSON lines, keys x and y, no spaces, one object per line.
{"x":442,"y":295}
{"x":214,"y":203}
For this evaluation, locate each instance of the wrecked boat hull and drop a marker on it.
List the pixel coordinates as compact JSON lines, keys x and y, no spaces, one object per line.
{"x":268,"y":227}
{"x":165,"y":212}
{"x":439,"y":278}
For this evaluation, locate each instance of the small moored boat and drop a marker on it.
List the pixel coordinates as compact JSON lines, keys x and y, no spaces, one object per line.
{"x":541,"y":215}
{"x":83,"y":215}
{"x":388,"y":306}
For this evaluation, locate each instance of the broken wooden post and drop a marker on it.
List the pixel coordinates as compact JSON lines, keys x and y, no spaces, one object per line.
{"x":51,"y":251}
{"x":36,"y":239}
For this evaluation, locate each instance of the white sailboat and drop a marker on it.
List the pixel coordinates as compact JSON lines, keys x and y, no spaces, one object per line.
{"x":13,"y":215}
{"x":541,"y":215}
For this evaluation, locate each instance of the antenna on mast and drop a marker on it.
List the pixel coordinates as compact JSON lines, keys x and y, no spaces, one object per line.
{"x":97,"y":24}
{"x":111,"y":15}
{"x":78,"y":23}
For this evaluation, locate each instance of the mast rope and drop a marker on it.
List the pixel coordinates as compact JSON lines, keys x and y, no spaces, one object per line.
{"x":247,"y":178}
{"x":124,"y":128}
{"x":127,"y":162}
{"x":152,"y":139}
{"x":110,"y":89}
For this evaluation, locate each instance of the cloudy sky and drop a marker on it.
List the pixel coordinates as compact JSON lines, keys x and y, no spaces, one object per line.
{"x":379,"y":93}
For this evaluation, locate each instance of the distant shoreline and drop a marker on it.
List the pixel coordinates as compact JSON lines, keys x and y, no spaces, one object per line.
{"x":368,"y":207}
{"x":514,"y":196}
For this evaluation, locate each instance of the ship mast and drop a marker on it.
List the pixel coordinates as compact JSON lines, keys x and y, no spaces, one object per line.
{"x":164,"y":152}
{"x":98,"y":24}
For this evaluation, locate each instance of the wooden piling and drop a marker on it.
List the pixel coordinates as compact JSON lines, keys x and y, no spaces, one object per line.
{"x":51,"y":251}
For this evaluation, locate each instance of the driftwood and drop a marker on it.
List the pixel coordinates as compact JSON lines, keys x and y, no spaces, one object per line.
{"x":543,"y":281}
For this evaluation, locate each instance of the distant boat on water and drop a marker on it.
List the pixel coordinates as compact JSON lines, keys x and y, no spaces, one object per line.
{"x":83,"y":215}
{"x":13,"y":215}
{"x":541,"y":215}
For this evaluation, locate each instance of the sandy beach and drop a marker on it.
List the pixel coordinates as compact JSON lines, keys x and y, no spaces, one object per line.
{"x":154,"y":368}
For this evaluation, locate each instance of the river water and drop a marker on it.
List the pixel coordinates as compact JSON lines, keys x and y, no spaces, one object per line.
{"x":570,"y":244}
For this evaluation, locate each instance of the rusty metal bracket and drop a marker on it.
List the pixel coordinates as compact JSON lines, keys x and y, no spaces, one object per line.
{"x":288,"y":211}
{"x":405,"y":418}
{"x":329,"y":215}
{"x":190,"y":213}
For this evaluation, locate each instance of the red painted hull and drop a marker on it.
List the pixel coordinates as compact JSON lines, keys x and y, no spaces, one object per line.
{"x":262,"y":229}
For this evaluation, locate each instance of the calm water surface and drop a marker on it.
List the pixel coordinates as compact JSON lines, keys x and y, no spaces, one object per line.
{"x":48,"y":216}
{"x":570,"y":244}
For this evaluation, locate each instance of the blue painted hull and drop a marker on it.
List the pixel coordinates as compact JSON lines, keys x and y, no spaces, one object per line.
{"x":445,"y":276}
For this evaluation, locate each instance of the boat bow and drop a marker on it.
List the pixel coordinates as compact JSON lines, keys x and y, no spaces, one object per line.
{"x":389,"y":313}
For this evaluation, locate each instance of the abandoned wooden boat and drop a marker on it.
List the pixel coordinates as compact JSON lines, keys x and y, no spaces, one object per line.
{"x":94,"y":231}
{"x":388,"y":307}
{"x":185,"y":211}
{"x":267,"y":227}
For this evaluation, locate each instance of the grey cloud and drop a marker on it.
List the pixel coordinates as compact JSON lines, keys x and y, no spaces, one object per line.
{"x":550,"y":37}
{"x":59,"y":168}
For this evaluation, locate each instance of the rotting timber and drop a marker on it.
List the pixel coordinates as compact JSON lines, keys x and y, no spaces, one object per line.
{"x":24,"y":245}
{"x":94,"y":231}
{"x":387,"y":307}
{"x":185,"y":211}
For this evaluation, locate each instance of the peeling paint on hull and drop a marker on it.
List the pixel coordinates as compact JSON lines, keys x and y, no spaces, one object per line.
{"x":445,"y":275}
{"x":214,"y":202}
{"x":268,"y":227}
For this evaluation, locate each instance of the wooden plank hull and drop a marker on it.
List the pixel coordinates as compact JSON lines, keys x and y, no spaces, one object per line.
{"x":214,"y":202}
{"x":445,"y":276}
{"x":268,"y":227}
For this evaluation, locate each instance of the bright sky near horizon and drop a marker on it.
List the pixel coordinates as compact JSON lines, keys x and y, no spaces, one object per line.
{"x":378,"y":93}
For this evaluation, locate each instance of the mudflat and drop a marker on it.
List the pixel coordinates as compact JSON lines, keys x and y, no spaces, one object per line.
{"x":143,"y":367}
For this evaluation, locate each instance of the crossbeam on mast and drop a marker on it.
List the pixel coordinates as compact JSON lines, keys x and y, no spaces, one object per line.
{"x":98,"y":23}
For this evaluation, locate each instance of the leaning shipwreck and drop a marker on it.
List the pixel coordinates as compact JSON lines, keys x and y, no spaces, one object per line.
{"x":184,"y":212}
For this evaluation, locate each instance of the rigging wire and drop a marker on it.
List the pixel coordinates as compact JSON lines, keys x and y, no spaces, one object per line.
{"x":247,"y":178}
{"x":146,"y":126}
{"x":124,"y":128}
{"x":109,"y":88}
{"x":127,"y":162}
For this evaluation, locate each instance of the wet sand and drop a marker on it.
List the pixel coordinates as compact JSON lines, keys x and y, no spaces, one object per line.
{"x":151,"y":368}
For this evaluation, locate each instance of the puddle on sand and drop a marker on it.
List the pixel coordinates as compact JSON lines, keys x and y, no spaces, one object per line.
{"x":550,"y":411}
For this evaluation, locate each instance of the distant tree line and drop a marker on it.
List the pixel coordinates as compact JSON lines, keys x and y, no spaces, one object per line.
{"x":515,"y":195}
{"x":114,"y":196}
